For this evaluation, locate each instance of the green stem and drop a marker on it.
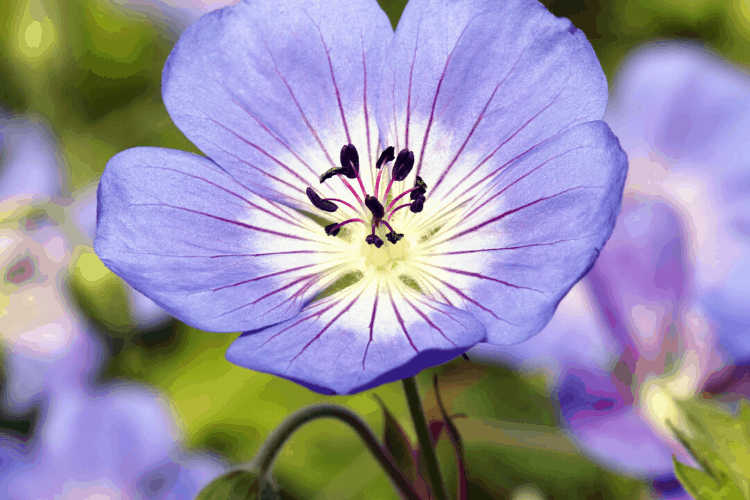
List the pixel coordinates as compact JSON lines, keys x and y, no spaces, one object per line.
{"x":423,"y":435}
{"x":276,"y":440}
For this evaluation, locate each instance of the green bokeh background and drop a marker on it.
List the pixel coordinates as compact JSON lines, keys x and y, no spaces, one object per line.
{"x":92,"y":72}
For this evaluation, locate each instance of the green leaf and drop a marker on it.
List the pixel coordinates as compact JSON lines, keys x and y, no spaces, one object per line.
{"x":721,"y":445}
{"x":699,"y":484}
{"x":235,"y":485}
{"x":702,"y":487}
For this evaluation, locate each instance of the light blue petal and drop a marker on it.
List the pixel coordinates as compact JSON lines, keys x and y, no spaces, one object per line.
{"x":271,"y":91}
{"x":210,"y":252}
{"x":364,"y":336}
{"x":533,"y":233}
{"x":478,"y":80}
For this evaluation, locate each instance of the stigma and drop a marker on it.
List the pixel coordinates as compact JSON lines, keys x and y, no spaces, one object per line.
{"x":374,"y":210}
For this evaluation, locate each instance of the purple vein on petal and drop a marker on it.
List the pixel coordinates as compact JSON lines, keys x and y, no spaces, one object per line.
{"x":400,"y":319}
{"x":437,"y":95}
{"x":261,"y":171}
{"x":335,"y":85}
{"x":298,"y":294}
{"x":467,"y":298}
{"x":492,"y":154}
{"x":268,"y":295}
{"x":484,"y":277}
{"x":517,"y":209}
{"x":265,"y":276}
{"x":438,"y":310}
{"x":372,"y":326}
{"x":315,"y":314}
{"x":428,"y":321}
{"x":307,"y":277}
{"x":519,"y":247}
{"x":476,"y":125}
{"x":238,"y":223}
{"x":267,"y":254}
{"x":364,"y":104}
{"x":263,"y":152}
{"x":268,"y":131}
{"x":299,"y":108}
{"x":330,"y":323}
{"x":395,"y":115}
{"x":258,"y":207}
{"x":484,"y":201}
{"x":408,"y":95}
{"x":233,"y":255}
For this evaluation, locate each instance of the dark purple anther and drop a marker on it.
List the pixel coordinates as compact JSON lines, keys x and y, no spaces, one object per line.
{"x":385,"y":157}
{"x":418,"y":204}
{"x":320,"y":203}
{"x":350,"y":161}
{"x":332,"y":230}
{"x":403,"y":165}
{"x":393,"y":236}
{"x":377,"y":209}
{"x":372,"y":239}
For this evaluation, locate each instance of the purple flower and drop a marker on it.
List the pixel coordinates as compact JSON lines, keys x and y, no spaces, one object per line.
{"x":117,"y":441}
{"x":683,"y":116}
{"x":459,"y":166}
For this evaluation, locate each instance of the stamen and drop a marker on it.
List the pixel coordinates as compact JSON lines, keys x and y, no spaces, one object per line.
{"x":375,"y":207}
{"x":385,"y":157}
{"x":418,"y":204}
{"x":403,"y":165}
{"x":393,"y":202}
{"x":419,"y":184}
{"x":373,"y":239}
{"x":318,"y":202}
{"x":393,"y":237}
{"x":399,"y":208}
{"x":349,"y":158}
{"x":333,"y":229}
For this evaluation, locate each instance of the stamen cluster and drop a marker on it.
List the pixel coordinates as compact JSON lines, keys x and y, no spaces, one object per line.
{"x":349,"y":169}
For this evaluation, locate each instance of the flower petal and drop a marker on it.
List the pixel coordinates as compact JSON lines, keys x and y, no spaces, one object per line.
{"x":533,"y":234}
{"x":482,"y":80}
{"x":369,"y":334}
{"x":643,"y":278}
{"x":183,"y":232}
{"x":685,"y":102}
{"x":271,"y":91}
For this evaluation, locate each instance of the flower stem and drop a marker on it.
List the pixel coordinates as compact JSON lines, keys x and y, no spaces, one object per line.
{"x":423,"y":435}
{"x":276,"y":440}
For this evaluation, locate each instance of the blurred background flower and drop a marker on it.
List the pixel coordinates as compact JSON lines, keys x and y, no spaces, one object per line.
{"x":103,"y":394}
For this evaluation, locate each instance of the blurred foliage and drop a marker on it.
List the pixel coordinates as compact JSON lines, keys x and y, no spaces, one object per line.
{"x":720,"y":444}
{"x":92,"y":70}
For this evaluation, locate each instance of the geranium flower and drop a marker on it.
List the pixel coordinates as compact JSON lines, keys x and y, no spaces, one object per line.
{"x":372,"y":203}
{"x":683,"y":116}
{"x":117,"y":441}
